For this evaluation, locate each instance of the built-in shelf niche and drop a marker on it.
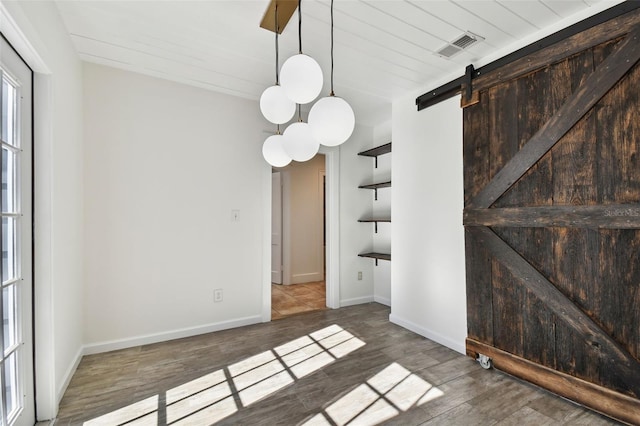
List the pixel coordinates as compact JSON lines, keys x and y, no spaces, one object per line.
{"x":375,"y":152}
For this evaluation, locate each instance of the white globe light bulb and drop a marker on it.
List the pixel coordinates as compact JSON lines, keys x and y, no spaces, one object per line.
{"x":276,"y":106}
{"x":301,"y":78}
{"x":332,"y":121}
{"x":273,"y":151}
{"x":299,"y":143}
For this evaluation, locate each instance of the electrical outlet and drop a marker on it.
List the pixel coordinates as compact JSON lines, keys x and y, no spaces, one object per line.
{"x":359,"y":275}
{"x":217,"y":295}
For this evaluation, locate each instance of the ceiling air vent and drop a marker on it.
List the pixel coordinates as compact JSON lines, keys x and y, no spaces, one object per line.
{"x":458,"y":45}
{"x":448,"y":51}
{"x":465,"y":41}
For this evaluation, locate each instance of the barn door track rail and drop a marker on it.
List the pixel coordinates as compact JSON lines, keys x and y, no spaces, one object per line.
{"x":533,"y":56}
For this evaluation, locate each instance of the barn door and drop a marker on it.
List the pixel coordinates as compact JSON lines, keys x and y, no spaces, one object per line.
{"x":552,"y":218}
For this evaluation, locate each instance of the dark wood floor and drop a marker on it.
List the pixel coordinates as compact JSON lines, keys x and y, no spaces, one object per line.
{"x":287,"y":300}
{"x":344,"y":366}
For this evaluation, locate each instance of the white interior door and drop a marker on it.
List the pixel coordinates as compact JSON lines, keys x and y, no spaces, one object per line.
{"x":276,"y":228}
{"x":16,"y":336}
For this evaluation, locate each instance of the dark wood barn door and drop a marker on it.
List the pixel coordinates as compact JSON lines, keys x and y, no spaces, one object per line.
{"x":552,"y":218}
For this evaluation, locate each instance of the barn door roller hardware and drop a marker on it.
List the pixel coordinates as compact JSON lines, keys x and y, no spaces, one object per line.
{"x":468,"y":97}
{"x":484,"y":361}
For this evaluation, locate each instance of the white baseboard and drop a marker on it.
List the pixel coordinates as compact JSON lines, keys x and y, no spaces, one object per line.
{"x":69,"y":374}
{"x":382,"y":300}
{"x":429,"y":334}
{"x":307,"y":278}
{"x":356,"y":301}
{"x":113,"y":345}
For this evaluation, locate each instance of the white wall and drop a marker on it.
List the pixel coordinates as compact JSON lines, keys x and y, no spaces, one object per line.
{"x":428,"y":275}
{"x":302,"y":218}
{"x":37,"y":31}
{"x":382,"y":208}
{"x":165,"y":166}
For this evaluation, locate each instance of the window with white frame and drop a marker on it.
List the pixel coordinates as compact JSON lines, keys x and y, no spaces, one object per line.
{"x":16,"y":357}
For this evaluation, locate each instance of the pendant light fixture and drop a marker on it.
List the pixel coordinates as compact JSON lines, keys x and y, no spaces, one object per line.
{"x":276,"y":108}
{"x":331,"y":118}
{"x":298,"y":141}
{"x":301,"y":76}
{"x":273,"y":150}
{"x":274,"y":103}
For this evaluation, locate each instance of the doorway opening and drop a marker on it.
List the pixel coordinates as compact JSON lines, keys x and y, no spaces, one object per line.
{"x":299,"y":238}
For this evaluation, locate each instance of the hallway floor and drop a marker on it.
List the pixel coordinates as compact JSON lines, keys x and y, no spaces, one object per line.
{"x":294,"y":299}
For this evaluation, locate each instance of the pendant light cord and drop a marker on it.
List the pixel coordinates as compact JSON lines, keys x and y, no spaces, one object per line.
{"x":277,"y":60}
{"x":300,"y":26}
{"x":300,"y":47}
{"x":331,"y":93}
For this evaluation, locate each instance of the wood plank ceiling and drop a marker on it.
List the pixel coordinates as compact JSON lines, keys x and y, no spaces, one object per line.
{"x":383,"y":49}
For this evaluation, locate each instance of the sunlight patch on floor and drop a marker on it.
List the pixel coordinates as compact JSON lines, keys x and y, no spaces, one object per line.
{"x":265,"y":388}
{"x":217,"y":395}
{"x":194,"y":386}
{"x":209,"y":415}
{"x":126,"y":414}
{"x":385,"y":395}
{"x":150,"y":419}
